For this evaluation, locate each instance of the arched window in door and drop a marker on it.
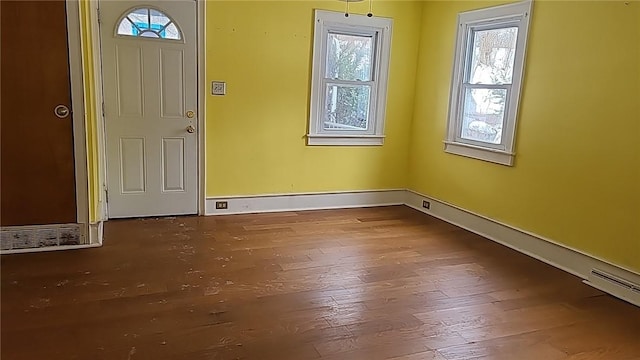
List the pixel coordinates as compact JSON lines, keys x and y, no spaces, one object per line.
{"x":149,"y":23}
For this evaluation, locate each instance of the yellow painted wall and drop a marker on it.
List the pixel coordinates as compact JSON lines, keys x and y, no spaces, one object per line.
{"x":576,"y":179}
{"x":255,"y":140}
{"x":577,"y":172}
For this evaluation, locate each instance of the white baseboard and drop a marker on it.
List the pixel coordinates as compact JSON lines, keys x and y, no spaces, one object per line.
{"x":308,"y":201}
{"x":563,"y":257}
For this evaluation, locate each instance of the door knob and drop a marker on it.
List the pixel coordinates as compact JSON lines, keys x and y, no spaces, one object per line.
{"x":191,"y":129}
{"x":61,"y":111}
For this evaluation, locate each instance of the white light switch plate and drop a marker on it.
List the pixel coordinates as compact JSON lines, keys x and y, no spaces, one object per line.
{"x":218,"y":88}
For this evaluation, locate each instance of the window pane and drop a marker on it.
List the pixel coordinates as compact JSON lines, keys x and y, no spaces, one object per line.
{"x":492,"y":56}
{"x":126,"y":28}
{"x":347,"y":107}
{"x":171,"y":32}
{"x":483,"y":115}
{"x":349,"y":57}
{"x":150,"y":34}
{"x":148,"y":23}
{"x":140,"y":17}
{"x":158,"y":18}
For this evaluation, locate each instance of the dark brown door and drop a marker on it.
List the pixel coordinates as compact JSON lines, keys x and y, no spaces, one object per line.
{"x":37,"y":177}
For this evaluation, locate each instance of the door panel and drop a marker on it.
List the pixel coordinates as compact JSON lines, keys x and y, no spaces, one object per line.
{"x":129,"y":70}
{"x":172,"y":83}
{"x":37,"y":163}
{"x":149,"y":87}
{"x":173,"y":164}
{"x":132,"y":165}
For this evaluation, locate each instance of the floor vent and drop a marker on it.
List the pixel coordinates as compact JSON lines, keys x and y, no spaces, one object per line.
{"x":615,"y":285}
{"x":40,"y":236}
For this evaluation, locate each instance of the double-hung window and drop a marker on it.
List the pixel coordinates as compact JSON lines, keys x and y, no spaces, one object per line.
{"x":486,"y":82}
{"x":349,"y":80}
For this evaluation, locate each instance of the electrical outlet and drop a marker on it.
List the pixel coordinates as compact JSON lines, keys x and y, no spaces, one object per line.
{"x":218,"y":88}
{"x":426,"y":204}
{"x":221,"y":205}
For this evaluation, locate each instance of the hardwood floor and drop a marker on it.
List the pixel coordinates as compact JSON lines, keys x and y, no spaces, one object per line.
{"x":378,"y":283}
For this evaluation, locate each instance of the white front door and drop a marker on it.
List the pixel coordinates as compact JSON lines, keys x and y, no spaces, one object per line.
{"x":150,"y":96}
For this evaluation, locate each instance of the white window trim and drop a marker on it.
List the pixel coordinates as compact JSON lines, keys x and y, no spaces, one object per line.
{"x":326,"y":21}
{"x":516,"y":14}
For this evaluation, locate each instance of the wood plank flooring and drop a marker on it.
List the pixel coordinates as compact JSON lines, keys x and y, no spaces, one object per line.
{"x":378,"y":283}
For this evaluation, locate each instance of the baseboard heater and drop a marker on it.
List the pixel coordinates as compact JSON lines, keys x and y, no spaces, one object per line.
{"x":40,"y":236}
{"x":613,"y":284}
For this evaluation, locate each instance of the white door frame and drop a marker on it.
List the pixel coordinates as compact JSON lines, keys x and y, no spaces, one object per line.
{"x":96,"y":62}
{"x":201,"y":81}
{"x":94,"y":24}
{"x":77,"y":113}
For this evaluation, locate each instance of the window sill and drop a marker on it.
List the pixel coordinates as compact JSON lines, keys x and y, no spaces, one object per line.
{"x":349,"y":140}
{"x":480,"y":153}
